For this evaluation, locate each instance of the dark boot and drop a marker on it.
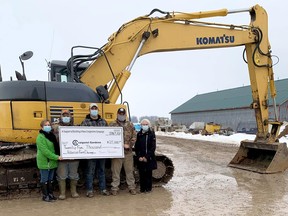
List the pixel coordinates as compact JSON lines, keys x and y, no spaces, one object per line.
{"x":44,"y":188}
{"x":50,"y":191}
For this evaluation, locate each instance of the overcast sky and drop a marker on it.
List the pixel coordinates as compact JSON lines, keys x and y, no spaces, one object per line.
{"x":51,"y":28}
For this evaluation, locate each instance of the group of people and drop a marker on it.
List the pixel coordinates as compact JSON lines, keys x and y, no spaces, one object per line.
{"x":49,"y":160}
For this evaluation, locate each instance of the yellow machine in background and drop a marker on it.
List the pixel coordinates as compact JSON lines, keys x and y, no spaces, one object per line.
{"x":204,"y":128}
{"x":24,"y":104}
{"x":211,"y":128}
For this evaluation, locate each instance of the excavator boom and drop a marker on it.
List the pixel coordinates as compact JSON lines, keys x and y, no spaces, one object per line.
{"x":164,"y":37}
{"x":184,"y":31}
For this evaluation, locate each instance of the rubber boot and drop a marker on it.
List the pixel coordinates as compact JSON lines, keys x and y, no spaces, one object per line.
{"x":50,"y":191}
{"x":62,"y":189}
{"x":44,"y":188}
{"x":73,"y":188}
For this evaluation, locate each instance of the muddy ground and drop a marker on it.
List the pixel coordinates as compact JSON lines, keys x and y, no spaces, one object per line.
{"x":202,"y":185}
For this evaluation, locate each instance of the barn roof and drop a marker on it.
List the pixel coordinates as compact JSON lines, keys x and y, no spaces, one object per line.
{"x":240,"y":97}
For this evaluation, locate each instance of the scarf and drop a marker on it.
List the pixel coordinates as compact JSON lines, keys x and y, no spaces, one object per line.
{"x":52,"y":138}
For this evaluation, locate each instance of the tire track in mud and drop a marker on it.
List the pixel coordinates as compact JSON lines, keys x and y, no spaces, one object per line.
{"x":203,"y":184}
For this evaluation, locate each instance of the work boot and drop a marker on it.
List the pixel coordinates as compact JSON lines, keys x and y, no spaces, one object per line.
{"x":105,"y":192}
{"x":73,"y":188}
{"x":50,"y":191}
{"x":62,"y":189}
{"x":90,"y":194}
{"x":114,"y":192}
{"x":132,"y":191}
{"x":44,"y":188}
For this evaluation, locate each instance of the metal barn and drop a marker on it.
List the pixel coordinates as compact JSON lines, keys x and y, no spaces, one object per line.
{"x":230,"y":108}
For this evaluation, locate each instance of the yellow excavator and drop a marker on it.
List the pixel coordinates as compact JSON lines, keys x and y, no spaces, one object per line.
{"x":184,"y":31}
{"x":101,"y":76}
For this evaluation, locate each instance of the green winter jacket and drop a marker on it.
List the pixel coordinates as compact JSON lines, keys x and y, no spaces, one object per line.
{"x":46,"y":157}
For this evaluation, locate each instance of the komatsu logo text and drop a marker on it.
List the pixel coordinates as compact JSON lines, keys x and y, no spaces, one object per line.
{"x":215,"y":40}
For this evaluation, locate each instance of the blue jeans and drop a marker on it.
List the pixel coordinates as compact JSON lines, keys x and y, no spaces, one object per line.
{"x":46,"y":175}
{"x":92,"y":164}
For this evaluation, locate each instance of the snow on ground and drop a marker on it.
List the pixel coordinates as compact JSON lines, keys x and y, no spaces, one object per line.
{"x":233,"y":139}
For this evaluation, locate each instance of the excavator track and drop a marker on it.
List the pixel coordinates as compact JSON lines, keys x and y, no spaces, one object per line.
{"x":18,"y":171}
{"x":13,"y":146}
{"x":17,"y":157}
{"x":160,"y":176}
{"x":16,"y":152}
{"x":164,"y":171}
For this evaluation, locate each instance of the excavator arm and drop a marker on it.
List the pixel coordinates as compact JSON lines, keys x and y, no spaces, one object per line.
{"x":181,"y":31}
{"x":173,"y":32}
{"x":184,"y":31}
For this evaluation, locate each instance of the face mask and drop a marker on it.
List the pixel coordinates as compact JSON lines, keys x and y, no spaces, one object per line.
{"x":47,"y":128}
{"x":121,"y":118}
{"x":66,"y":119}
{"x":145,"y":127}
{"x":94,"y":112}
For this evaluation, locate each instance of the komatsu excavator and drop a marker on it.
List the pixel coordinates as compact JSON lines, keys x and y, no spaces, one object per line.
{"x":101,"y":76}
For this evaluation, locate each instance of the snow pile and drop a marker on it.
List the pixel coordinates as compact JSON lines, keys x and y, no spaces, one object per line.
{"x":233,"y":139}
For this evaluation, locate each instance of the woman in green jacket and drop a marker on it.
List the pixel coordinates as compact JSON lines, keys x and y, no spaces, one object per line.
{"x":47,"y":159}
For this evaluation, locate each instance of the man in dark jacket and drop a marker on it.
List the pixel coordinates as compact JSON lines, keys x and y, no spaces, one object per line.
{"x":94,"y":119}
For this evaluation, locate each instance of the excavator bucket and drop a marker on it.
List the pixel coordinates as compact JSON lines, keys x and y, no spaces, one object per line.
{"x":260,"y":157}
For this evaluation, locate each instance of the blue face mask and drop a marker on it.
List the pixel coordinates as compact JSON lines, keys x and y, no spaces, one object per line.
{"x":66,"y":119}
{"x":47,"y":128}
{"x":94,"y":113}
{"x":145,"y":127}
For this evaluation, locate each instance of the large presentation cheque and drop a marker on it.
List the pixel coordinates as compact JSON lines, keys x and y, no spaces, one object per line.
{"x":91,"y":142}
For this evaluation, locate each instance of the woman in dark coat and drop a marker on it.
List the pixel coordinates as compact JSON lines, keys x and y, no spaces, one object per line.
{"x":145,"y":153}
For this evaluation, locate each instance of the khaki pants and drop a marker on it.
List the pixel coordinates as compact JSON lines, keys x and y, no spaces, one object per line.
{"x":68,"y":169}
{"x":116,"y":166}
